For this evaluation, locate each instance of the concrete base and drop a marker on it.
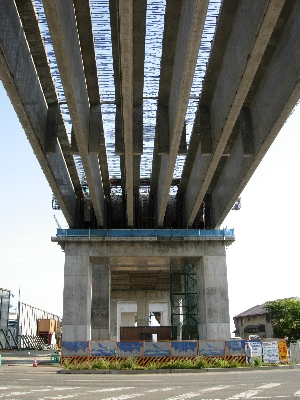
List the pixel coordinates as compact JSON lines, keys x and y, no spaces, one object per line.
{"x":95,"y":305}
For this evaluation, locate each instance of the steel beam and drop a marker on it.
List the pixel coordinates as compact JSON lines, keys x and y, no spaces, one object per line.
{"x":250,"y":35}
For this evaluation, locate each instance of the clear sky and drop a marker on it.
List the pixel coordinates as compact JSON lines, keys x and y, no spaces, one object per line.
{"x":263,"y":262}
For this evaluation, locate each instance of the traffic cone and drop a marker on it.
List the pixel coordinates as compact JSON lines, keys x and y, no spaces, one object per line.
{"x":34,"y":362}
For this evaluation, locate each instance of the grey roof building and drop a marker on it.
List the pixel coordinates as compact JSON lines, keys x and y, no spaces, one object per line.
{"x":254,"y":321}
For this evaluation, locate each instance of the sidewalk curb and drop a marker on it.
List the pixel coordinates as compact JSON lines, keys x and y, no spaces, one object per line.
{"x":173,"y":371}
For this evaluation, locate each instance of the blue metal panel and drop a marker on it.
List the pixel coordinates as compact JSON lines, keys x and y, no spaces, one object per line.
{"x":211,"y":348}
{"x":130,"y":349}
{"x":184,"y":348}
{"x":103,"y":349}
{"x":157,"y":349}
{"x":234,"y":347}
{"x":160,"y":233}
{"x":74,"y":349}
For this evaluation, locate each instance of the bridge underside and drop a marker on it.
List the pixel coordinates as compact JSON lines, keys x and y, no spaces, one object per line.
{"x":183,"y":169}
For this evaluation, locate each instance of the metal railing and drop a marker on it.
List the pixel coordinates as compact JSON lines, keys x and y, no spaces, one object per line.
{"x":149,"y":234}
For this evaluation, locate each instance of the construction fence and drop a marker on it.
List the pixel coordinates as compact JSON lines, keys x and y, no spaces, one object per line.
{"x":270,"y":351}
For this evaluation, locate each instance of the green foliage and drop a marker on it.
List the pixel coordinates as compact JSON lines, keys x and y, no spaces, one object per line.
{"x":257,"y":361}
{"x":154,"y":365}
{"x":201,"y":362}
{"x":220,"y":363}
{"x":188,"y":364}
{"x":285,"y":318}
{"x":100,"y":363}
{"x":170,"y":365}
{"x":129,"y":363}
{"x":234,"y":364}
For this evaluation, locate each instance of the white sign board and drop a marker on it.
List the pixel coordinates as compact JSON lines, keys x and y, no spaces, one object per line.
{"x":270,"y":352}
{"x":256,"y":348}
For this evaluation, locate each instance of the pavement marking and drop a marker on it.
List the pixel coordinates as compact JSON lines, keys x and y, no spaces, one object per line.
{"x":273,"y":397}
{"x":125,"y":396}
{"x":269,"y":385}
{"x":163,"y":389}
{"x":251,"y":393}
{"x":14,"y":394}
{"x":68,"y":396}
{"x":196,"y":394}
{"x":10,"y":387}
{"x":110,"y":389}
{"x":82,"y":394}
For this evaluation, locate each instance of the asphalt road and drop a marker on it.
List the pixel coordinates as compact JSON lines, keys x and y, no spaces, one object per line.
{"x":27,"y":382}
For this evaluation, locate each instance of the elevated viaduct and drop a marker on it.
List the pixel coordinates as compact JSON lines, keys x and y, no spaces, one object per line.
{"x":148,"y":116}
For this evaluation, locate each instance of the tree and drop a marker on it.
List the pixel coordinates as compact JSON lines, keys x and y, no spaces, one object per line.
{"x":285,"y":317}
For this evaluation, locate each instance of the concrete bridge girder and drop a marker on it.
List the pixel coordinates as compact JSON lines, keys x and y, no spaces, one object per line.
{"x":250,"y":49}
{"x":247,"y":41}
{"x":267,"y":117}
{"x":63,"y":29}
{"x":21,"y":82}
{"x":190,"y":30}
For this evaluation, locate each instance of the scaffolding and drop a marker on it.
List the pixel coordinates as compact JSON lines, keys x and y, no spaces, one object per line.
{"x":184,"y":305}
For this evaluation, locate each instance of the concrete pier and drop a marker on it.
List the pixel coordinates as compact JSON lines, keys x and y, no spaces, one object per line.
{"x":114,"y":282}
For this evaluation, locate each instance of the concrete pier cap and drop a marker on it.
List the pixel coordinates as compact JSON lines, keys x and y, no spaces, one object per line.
{"x":117,"y":278}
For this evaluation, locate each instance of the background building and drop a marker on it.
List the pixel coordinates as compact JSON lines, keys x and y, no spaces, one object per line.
{"x":20,"y":326}
{"x":255,"y":321}
{"x":4,"y":312}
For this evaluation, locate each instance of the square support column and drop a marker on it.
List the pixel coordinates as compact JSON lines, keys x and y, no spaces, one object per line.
{"x":213,"y":303}
{"x":142,"y":314}
{"x":101,"y":302}
{"x":77,"y":295}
